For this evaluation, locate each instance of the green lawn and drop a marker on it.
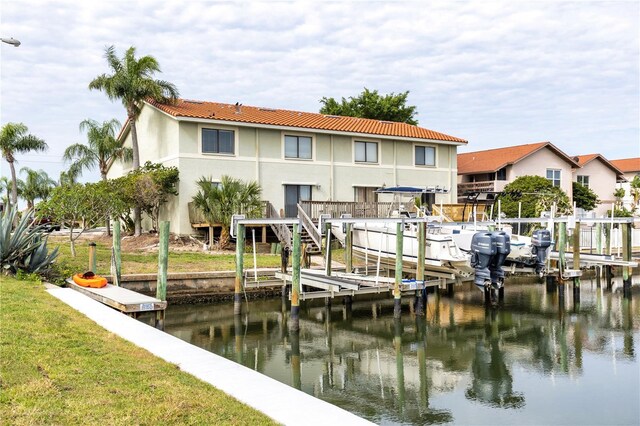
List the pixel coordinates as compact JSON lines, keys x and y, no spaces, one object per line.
{"x":140,"y":262}
{"x":59,"y":367}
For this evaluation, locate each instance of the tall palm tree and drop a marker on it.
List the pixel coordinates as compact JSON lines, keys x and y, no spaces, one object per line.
{"x":15,"y":140}
{"x":37,"y":185}
{"x":103,"y":148}
{"x":5,"y":191}
{"x":131,"y":81}
{"x":231,"y":196}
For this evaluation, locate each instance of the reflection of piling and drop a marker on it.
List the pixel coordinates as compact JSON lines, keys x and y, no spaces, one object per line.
{"x":163,"y":263}
{"x":295,"y":280}
{"x":398,"y":274}
{"x":608,"y":273}
{"x":92,"y":257}
{"x":294,"y":336}
{"x":551,"y":283}
{"x":598,"y":271}
{"x":237,"y":335}
{"x":237,"y":296}
{"x":397,"y":343}
{"x":626,"y":256}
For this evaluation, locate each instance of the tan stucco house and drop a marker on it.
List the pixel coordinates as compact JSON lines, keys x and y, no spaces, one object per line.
{"x":598,"y":174}
{"x":293,"y":155}
{"x":630,"y":167}
{"x":493,"y":169}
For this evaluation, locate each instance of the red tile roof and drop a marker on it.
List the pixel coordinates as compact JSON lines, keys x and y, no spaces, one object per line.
{"x":587,"y":158}
{"x":304,"y":120}
{"x":492,"y":160}
{"x":627,"y":165}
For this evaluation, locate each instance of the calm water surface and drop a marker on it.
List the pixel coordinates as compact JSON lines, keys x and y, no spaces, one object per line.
{"x":533,"y":360}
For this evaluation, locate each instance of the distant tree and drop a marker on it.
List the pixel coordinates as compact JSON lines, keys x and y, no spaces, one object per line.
{"x":37,"y":185}
{"x":15,"y":140}
{"x":70,"y":177}
{"x":231,"y":196}
{"x":584,"y":197}
{"x":131,"y":82}
{"x":5,"y":191}
{"x":618,"y":194}
{"x":635,"y":190}
{"x":370,"y":104}
{"x":536,"y":194}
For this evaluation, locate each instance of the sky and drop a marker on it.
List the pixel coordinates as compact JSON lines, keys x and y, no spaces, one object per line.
{"x":496,"y":73}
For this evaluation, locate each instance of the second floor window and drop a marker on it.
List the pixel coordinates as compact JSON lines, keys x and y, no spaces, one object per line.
{"x":583,"y":180}
{"x":425,"y":156}
{"x":215,"y":141}
{"x":501,"y":174}
{"x":297,"y":147}
{"x":366,"y":152}
{"x":554,"y":176}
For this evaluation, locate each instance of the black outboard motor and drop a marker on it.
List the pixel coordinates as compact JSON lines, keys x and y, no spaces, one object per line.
{"x":540,"y":241}
{"x":503,"y":248}
{"x":483,"y":249}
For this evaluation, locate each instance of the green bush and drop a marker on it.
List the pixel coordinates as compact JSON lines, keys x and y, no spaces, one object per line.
{"x":536,"y":194}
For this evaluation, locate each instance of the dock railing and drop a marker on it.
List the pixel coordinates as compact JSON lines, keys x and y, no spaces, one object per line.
{"x":281,"y":230}
{"x":314,"y":209}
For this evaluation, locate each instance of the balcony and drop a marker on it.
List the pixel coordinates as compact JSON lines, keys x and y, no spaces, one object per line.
{"x":484,"y":186}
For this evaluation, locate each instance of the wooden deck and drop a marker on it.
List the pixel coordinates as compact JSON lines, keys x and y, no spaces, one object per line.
{"x":121,"y":299}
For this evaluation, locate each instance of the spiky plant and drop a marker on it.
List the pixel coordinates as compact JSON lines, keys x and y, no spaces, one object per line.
{"x":23,"y":247}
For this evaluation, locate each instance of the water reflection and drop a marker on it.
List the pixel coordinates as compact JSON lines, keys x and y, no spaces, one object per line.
{"x":422,"y":369}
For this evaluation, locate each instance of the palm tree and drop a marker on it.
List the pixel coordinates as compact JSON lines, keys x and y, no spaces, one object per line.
{"x":37,"y":185}
{"x":15,"y":140}
{"x":231,"y":196}
{"x":103,"y":148}
{"x":68,"y":178}
{"x":132,"y":82}
{"x":5,"y":186}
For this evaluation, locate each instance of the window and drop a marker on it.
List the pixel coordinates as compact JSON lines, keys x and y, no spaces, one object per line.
{"x":216,"y":141}
{"x":554,"y":176}
{"x":297,"y":147}
{"x":583,"y":180}
{"x":425,"y":156}
{"x":501,"y":174}
{"x":366,"y":152}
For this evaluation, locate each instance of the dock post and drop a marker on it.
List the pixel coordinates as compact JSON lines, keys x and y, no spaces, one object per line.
{"x":599,"y":238}
{"x":163,"y":263}
{"x":348,"y":249}
{"x":327,"y":231}
{"x":562,"y":247}
{"x":598,"y":271}
{"x":626,"y":256}
{"x":237,"y":295}
{"x":421,"y":296}
{"x":116,"y":260}
{"x":397,"y":308}
{"x":295,"y":280}
{"x":92,"y":257}
{"x":607,"y":239}
{"x":608,"y":273}
{"x":576,"y":261}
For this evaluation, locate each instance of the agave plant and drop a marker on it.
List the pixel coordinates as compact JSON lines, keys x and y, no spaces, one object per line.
{"x":23,"y":247}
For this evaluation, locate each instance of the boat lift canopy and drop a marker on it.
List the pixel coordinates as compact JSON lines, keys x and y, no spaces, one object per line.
{"x":413,"y":190}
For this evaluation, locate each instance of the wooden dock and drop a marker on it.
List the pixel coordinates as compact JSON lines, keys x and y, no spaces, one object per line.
{"x":126,"y":301}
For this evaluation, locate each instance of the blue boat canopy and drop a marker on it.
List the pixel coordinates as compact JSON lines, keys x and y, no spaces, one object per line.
{"x":413,"y":190}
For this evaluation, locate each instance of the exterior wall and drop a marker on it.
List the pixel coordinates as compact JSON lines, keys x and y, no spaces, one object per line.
{"x":259,"y":155}
{"x":602,"y":181}
{"x":537,"y":164}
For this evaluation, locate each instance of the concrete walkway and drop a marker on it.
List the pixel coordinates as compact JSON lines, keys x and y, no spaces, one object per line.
{"x":282,"y":403}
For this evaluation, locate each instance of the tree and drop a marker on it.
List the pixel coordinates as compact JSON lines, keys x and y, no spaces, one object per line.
{"x":370,"y":104}
{"x":635,"y":191}
{"x":584,"y":197}
{"x":618,"y":194}
{"x":132,"y":83}
{"x":231,"y":196}
{"x":536,"y":194}
{"x":37,"y":185}
{"x":15,"y":140}
{"x":5,"y":188}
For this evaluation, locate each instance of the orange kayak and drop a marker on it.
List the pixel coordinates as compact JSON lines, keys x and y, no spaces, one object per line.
{"x":96,"y":281}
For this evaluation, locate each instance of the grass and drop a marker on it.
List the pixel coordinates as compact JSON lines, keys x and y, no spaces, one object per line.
{"x":58,"y":367}
{"x":140,"y":262}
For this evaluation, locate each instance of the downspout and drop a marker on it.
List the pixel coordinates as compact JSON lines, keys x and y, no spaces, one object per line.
{"x":331,"y":197}
{"x":451,"y":154}
{"x":258,"y":156}
{"x":395,"y":162}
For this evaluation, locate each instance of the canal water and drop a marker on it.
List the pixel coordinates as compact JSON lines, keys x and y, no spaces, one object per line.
{"x":539,"y":358}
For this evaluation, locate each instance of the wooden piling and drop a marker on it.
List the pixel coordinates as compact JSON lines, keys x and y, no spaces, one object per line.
{"x":92,"y":257}
{"x":348,"y":249}
{"x":626,"y":256}
{"x":421,"y":251}
{"x":116,"y":259}
{"x":163,"y":263}
{"x":599,"y":238}
{"x":562,"y":247}
{"x":295,"y":280}
{"x":237,"y":295}
{"x":327,"y":232}
{"x":398,"y":273}
{"x":576,"y":246}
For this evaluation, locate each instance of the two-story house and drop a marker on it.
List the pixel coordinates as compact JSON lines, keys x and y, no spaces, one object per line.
{"x":492,"y":169}
{"x":598,"y":174}
{"x":630,"y":167}
{"x":293,"y":155}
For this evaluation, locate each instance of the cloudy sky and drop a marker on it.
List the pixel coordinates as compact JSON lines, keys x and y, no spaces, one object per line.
{"x":496,"y":73}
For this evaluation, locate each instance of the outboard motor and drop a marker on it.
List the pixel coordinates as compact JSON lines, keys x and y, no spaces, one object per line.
{"x":540,"y":241}
{"x":503,"y":248}
{"x":483,"y":249}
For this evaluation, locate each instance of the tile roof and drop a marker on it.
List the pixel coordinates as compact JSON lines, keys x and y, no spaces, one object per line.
{"x":303,"y":120}
{"x":627,"y":165}
{"x":587,"y":158}
{"x":492,"y":160}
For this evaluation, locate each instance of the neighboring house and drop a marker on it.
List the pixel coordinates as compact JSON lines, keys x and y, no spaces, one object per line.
{"x":598,"y":174}
{"x":293,"y":155}
{"x":631,"y":168}
{"x":492,"y":169}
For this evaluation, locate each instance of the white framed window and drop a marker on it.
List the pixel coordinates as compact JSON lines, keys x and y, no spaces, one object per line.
{"x":583,"y":180}
{"x":554,"y":176}
{"x":300,"y":147}
{"x":217,"y":141}
{"x":424,"y":155}
{"x":365,"y":152}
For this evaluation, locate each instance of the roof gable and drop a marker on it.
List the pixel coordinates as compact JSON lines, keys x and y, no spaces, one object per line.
{"x":492,"y":160}
{"x":583,"y":160}
{"x":303,"y":120}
